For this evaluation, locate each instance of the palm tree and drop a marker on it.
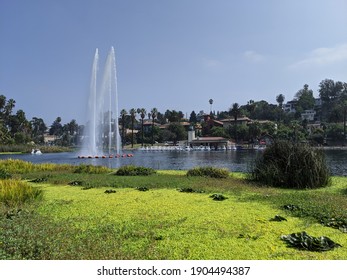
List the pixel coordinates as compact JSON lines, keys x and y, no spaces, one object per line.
{"x":142,"y":112}
{"x":123,"y":114}
{"x":133,"y":115}
{"x":154,"y":113}
{"x":280,"y":99}
{"x":211,"y":102}
{"x":235,"y":112}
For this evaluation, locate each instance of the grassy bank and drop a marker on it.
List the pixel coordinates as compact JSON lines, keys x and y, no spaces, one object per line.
{"x":93,"y":214}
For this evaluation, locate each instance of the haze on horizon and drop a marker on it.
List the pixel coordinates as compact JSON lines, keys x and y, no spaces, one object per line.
{"x":170,"y":54}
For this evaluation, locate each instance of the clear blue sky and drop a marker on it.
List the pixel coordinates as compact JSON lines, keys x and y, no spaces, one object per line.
{"x":171,"y":54}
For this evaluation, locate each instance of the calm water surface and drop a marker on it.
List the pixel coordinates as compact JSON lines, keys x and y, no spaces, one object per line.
{"x":180,"y":160}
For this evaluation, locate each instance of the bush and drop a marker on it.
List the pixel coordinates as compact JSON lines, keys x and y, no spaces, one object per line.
{"x":132,"y":170}
{"x":209,"y":171}
{"x":291,"y":165}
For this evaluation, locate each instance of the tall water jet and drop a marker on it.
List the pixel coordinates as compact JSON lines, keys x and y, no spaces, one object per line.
{"x":102,"y":129}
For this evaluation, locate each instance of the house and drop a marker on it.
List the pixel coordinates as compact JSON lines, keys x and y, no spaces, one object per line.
{"x":147,"y":125}
{"x":210,"y":123}
{"x":186,"y":125}
{"x":231,"y":121}
{"x":214,"y":143}
{"x":308,"y":115}
{"x":290,"y":106}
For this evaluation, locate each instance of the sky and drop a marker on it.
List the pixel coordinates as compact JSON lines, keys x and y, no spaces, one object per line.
{"x":171,"y":54}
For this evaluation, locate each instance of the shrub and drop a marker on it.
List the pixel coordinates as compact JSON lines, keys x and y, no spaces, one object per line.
{"x":132,"y":170}
{"x":14,"y":193}
{"x":291,"y":165}
{"x":209,"y":171}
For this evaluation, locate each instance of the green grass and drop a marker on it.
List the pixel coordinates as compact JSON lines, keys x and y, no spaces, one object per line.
{"x":167,"y":224}
{"x":83,"y":222}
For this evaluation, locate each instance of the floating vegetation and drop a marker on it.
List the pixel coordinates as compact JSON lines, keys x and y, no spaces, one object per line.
{"x":218,"y":197}
{"x":303,"y":241}
{"x":337,"y":223}
{"x":142,"y":189}
{"x":328,"y":221}
{"x":75,"y":183}
{"x":278,"y":218}
{"x":190,"y":190}
{"x":109,"y":191}
{"x":39,"y":180}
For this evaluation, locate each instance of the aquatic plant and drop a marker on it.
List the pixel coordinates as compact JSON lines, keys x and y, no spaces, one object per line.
{"x":303,"y":241}
{"x":291,"y":165}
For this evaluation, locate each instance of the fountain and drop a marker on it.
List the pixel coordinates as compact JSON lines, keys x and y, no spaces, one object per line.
{"x":102,"y":131}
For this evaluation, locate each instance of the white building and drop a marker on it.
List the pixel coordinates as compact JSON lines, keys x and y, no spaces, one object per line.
{"x":308,"y":115}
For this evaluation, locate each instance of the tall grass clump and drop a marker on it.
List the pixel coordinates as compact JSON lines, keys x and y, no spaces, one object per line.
{"x":14,"y":193}
{"x":291,"y":165}
{"x":91,"y":169}
{"x":209,"y":171}
{"x":132,"y":170}
{"x":16,"y":166}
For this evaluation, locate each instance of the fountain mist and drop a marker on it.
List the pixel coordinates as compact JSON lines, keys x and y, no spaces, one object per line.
{"x":102,"y":131}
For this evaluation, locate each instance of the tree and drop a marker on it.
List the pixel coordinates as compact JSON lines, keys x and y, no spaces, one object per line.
{"x":70,"y":131}
{"x":123,"y":114}
{"x":56,"y":128}
{"x":133,"y":115}
{"x":192,"y":118}
{"x":142,"y":112}
{"x":211,"y":102}
{"x":254,"y":130}
{"x":177,"y":131}
{"x":280,"y":99}
{"x":154,"y":113}
{"x":180,"y":116}
{"x":332,"y":94}
{"x":38,"y":129}
{"x":305,"y":99}
{"x":235,"y":113}
{"x":218,"y":131}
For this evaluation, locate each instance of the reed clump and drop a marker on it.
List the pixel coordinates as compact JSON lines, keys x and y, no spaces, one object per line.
{"x":291,"y":165}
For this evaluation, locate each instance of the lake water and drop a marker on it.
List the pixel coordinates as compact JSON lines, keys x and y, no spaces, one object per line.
{"x":240,"y":161}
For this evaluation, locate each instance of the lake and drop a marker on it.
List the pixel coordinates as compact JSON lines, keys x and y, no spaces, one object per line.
{"x":239,"y":161}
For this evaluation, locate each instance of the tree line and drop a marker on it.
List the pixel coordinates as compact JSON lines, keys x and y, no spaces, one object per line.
{"x":15,"y":128}
{"x":266,"y":118}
